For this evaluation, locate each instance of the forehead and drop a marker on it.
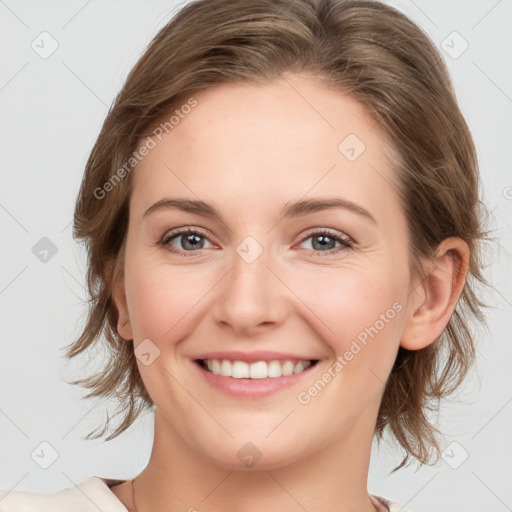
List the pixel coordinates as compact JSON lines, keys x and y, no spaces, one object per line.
{"x":273,"y":141}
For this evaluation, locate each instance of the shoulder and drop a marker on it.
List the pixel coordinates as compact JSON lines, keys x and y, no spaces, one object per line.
{"x":388,"y":505}
{"x":88,"y":496}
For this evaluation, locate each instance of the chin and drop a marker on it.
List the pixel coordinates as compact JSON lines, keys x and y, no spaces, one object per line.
{"x":257,"y":455}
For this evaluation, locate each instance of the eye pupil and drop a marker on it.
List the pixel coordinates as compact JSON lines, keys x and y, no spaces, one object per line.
{"x":324,"y":242}
{"x":189,"y":240}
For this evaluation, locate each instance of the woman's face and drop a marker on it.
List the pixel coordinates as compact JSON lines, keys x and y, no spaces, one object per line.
{"x":297,"y":251}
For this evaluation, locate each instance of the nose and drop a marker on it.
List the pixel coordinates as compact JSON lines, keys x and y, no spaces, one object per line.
{"x":251,"y":298}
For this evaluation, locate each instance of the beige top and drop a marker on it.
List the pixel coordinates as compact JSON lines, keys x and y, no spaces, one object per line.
{"x":94,"y":494}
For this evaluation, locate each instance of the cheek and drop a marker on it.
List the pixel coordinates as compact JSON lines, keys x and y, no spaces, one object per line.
{"x":161,"y":298}
{"x":362,"y":319}
{"x":361,"y":313}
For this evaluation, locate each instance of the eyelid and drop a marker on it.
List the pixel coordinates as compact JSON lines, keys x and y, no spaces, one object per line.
{"x":185,"y":229}
{"x":327,"y":231}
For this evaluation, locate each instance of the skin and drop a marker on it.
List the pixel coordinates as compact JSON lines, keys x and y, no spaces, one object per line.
{"x":248,"y":150}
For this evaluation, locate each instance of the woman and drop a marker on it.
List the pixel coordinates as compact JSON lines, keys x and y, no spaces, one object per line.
{"x":282,"y":218}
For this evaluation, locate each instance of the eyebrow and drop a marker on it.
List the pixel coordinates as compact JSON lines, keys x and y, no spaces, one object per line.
{"x":290,"y":209}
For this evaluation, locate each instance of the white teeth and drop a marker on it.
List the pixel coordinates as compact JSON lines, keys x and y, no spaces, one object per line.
{"x":239,"y":370}
{"x":257,"y":370}
{"x":225,"y":368}
{"x":274,"y":369}
{"x":287,"y":368}
{"x":216,"y":366}
{"x":298,"y":367}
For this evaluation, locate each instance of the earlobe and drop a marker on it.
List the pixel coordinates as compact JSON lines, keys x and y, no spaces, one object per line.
{"x":123,"y":322}
{"x":119,"y":299}
{"x":435,"y":296}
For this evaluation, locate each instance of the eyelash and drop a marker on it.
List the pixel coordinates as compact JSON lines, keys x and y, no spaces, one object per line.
{"x":346,"y":243}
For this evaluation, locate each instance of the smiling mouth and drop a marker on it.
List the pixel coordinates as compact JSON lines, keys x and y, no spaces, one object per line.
{"x":256,"y":370}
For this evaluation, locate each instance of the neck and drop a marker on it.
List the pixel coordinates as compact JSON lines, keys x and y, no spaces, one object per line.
{"x":177,"y":478}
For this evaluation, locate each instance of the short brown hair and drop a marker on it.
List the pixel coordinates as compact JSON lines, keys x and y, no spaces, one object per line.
{"x":360,"y":47}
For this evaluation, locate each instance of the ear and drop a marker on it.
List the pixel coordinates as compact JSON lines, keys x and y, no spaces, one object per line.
{"x":435,"y":296}
{"x":119,"y":298}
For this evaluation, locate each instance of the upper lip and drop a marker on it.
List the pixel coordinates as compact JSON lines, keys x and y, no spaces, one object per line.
{"x":252,"y":357}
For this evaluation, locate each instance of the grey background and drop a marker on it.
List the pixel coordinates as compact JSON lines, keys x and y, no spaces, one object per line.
{"x":52,"y":110}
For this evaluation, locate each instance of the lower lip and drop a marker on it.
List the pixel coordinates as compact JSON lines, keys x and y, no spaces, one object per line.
{"x":252,"y":388}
